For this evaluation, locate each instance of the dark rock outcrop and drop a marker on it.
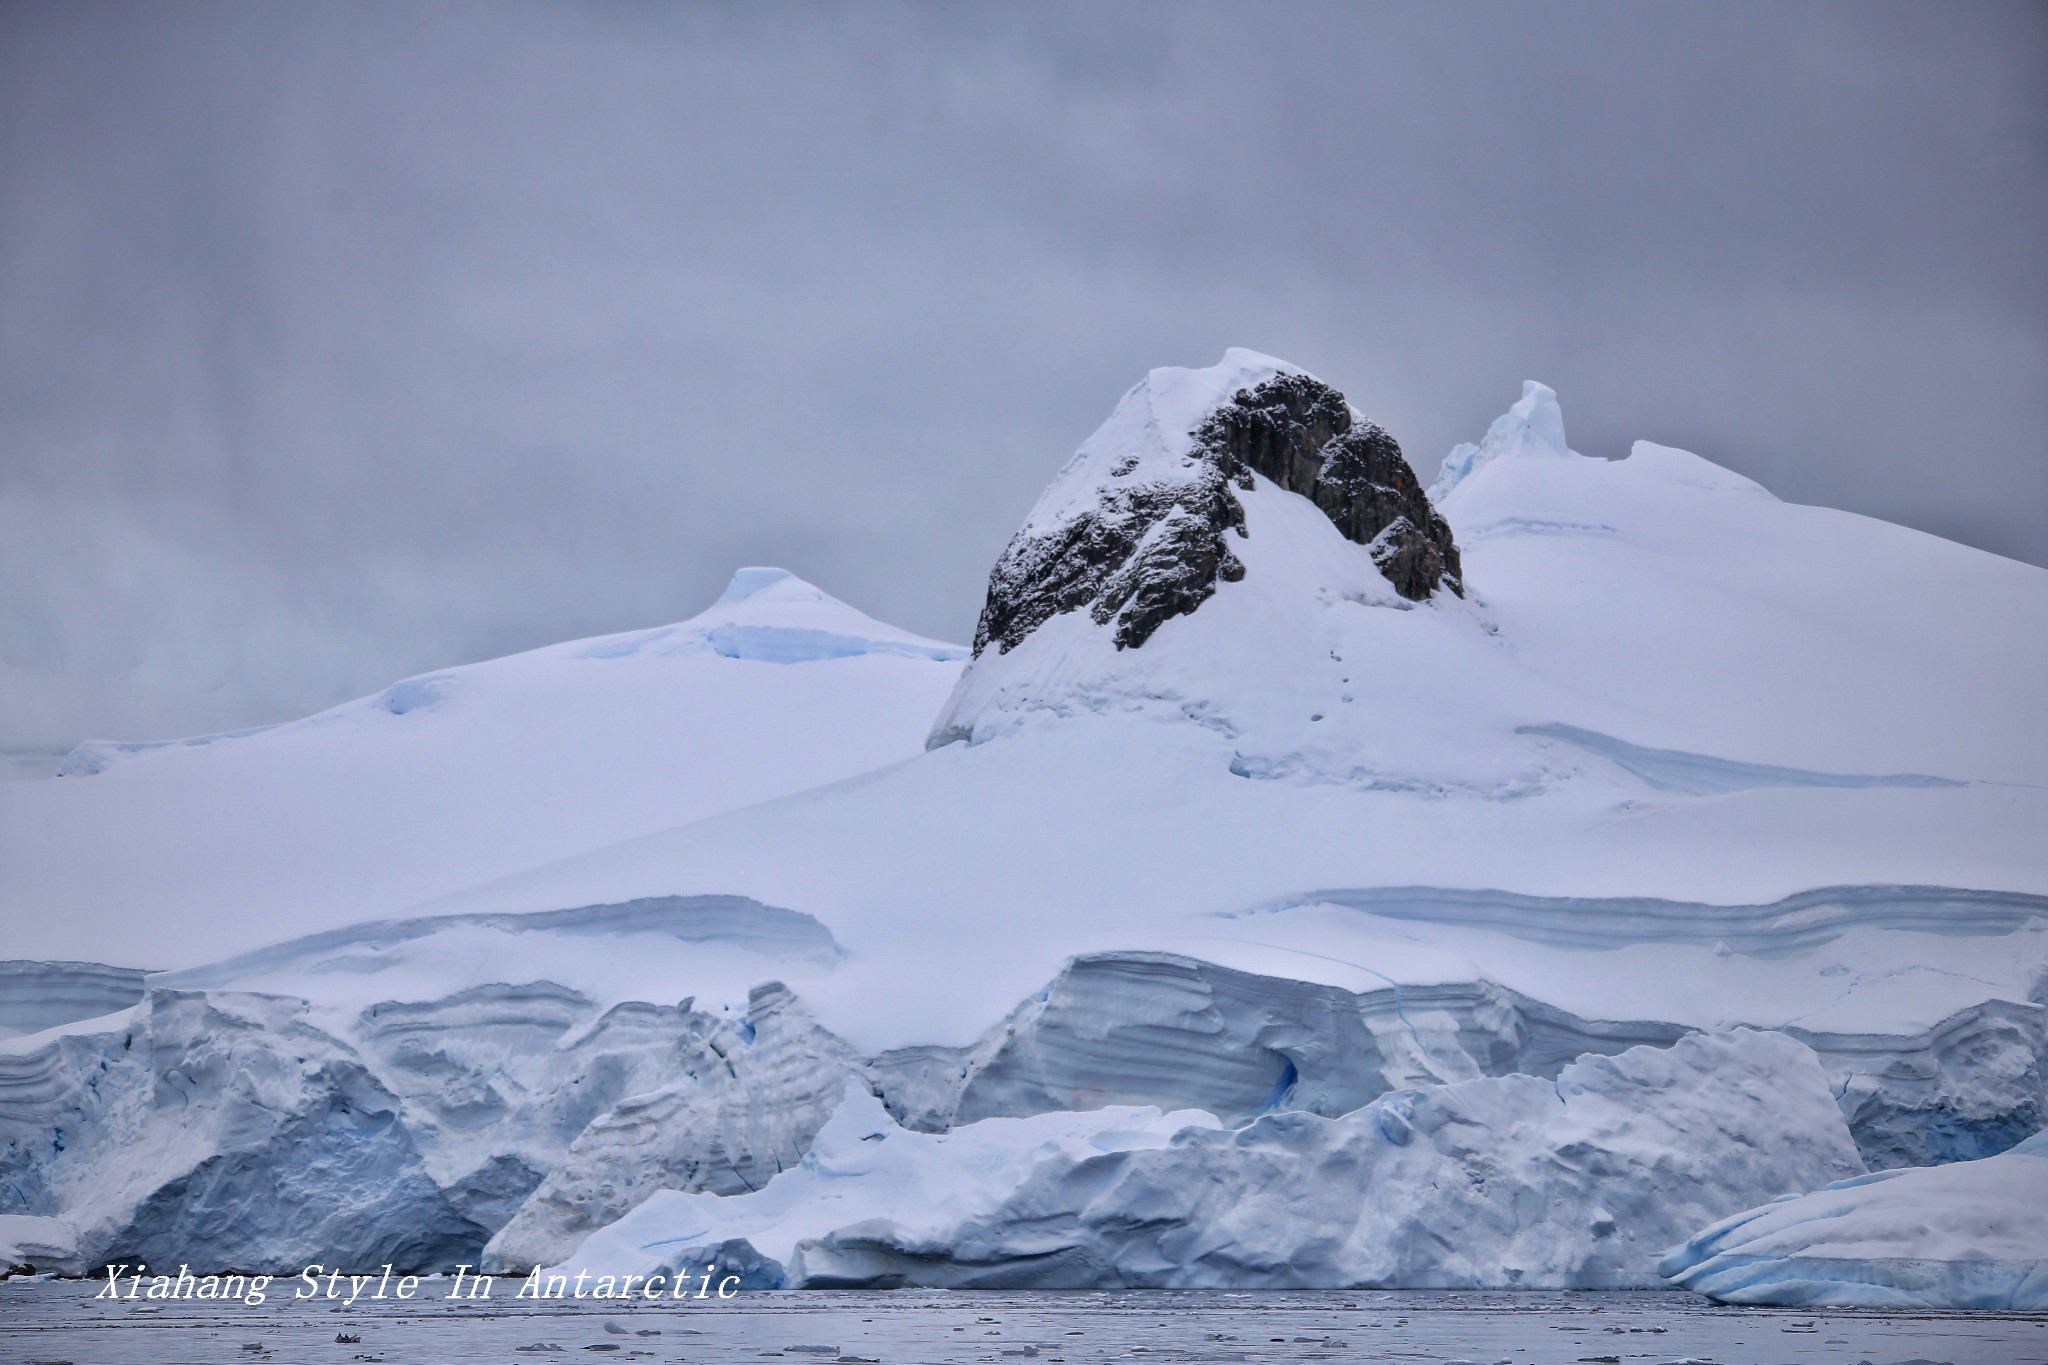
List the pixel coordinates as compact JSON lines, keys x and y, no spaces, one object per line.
{"x":1298,"y":432}
{"x":1143,"y":555}
{"x":1149,"y":552}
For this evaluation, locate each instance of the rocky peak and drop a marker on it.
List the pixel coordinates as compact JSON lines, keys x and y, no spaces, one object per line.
{"x":1153,"y":536}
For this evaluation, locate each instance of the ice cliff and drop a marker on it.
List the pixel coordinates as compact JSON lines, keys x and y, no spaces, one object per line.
{"x":37,"y":995}
{"x":1489,"y":1182}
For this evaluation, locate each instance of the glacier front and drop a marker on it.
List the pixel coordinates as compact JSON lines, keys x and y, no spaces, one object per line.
{"x":1510,"y":1181}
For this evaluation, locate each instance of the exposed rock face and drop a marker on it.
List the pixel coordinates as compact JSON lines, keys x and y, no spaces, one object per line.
{"x":1299,"y":433}
{"x":1150,"y":551}
{"x":1144,"y":555}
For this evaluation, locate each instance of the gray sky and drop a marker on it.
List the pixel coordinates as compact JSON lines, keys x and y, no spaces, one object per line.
{"x":342,"y":342}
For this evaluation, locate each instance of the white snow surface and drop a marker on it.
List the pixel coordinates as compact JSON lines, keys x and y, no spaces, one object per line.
{"x":1150,"y":434}
{"x":1513,"y":1181}
{"x":1969,"y":1235}
{"x":456,"y":777}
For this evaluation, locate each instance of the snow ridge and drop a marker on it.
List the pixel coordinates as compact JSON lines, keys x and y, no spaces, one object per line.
{"x":1803,"y":920}
{"x":771,"y":931}
{"x":1675,"y":770}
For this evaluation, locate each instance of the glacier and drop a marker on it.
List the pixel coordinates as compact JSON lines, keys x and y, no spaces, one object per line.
{"x":1663,"y":778}
{"x":1533,"y":427}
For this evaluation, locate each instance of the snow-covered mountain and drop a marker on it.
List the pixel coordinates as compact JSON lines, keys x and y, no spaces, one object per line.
{"x":170,"y":854}
{"x":1273,"y":790}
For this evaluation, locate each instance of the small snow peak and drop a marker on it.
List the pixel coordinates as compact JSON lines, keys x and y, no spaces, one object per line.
{"x":746,"y":582}
{"x":1684,"y":468}
{"x":1204,"y":388}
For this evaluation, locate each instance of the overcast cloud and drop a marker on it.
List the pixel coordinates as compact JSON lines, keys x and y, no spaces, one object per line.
{"x":342,"y":342}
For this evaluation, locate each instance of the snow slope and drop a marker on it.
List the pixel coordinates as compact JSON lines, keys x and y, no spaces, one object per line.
{"x":455,"y":777}
{"x":1971,"y":1235}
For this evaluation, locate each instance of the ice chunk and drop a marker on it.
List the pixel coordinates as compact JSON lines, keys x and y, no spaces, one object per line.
{"x":1969,"y":1235}
{"x":28,"y":1242}
{"x":252,"y":1132}
{"x":863,"y":1168}
{"x":734,"y":1120}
